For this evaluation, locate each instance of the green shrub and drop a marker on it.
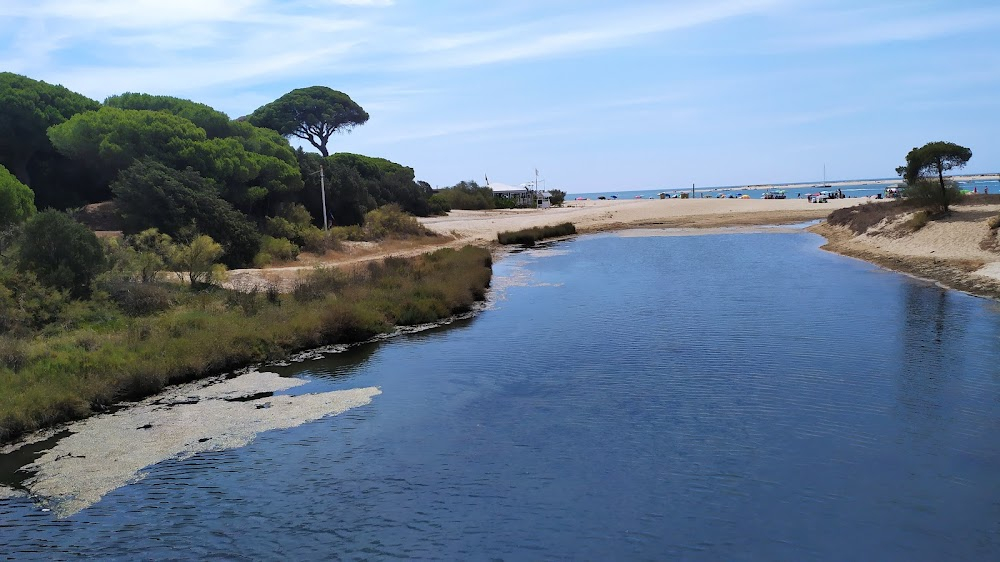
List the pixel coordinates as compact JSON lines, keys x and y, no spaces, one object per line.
{"x":390,"y":220}
{"x":275,"y":249}
{"x":927,"y":193}
{"x":279,"y":227}
{"x":465,"y":195}
{"x":352,"y":233}
{"x":25,"y":304}
{"x":558,"y":197}
{"x":61,"y":252}
{"x":139,"y":299}
{"x":13,"y":353}
{"x":319,"y":242}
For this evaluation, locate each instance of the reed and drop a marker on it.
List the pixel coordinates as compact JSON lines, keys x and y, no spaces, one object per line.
{"x":529,"y":236}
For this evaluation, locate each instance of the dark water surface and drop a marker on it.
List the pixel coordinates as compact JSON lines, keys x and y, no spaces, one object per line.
{"x":725,"y":397}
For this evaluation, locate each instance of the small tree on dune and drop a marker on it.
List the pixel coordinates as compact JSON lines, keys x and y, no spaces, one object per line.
{"x":934,"y":159}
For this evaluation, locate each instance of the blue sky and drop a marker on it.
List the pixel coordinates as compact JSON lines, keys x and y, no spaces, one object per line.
{"x":596,"y":95}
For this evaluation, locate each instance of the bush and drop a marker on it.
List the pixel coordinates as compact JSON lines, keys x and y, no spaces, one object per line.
{"x":465,"y":195}
{"x":319,"y":242}
{"x":61,"y":252}
{"x":391,"y":221}
{"x":994,"y":222}
{"x":139,"y":299}
{"x":17,"y":201}
{"x":927,"y":193}
{"x":558,"y":197}
{"x":275,"y":249}
{"x":13,"y":353}
{"x":529,"y":236}
{"x":151,"y":194}
{"x":25,"y":304}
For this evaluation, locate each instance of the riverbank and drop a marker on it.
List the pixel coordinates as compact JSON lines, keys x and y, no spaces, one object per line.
{"x":101,"y":357}
{"x":959,"y":251}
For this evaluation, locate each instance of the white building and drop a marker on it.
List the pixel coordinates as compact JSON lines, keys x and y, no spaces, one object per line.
{"x":523,"y":196}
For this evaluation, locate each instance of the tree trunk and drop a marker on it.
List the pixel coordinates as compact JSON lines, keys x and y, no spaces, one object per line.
{"x":944,"y":192}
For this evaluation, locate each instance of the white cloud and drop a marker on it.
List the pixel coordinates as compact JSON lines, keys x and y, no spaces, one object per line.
{"x":612,"y":27}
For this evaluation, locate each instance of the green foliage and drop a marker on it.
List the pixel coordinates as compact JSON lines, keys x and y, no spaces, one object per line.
{"x":316,"y":241}
{"x":439,"y":204}
{"x":25,"y":304}
{"x":17,"y":201}
{"x":934,"y":159}
{"x":312,"y":114}
{"x":151,"y":194}
{"x":529,"y":236}
{"x":356,"y":184}
{"x":101,"y":357}
{"x":929,"y":193}
{"x":197,"y":260}
{"x":155,"y":249}
{"x":61,"y":252}
{"x":215,"y":123}
{"x":111,"y":139}
{"x":139,"y":299}
{"x":390,"y":220}
{"x":27,"y":109}
{"x":247,"y":167}
{"x":275,"y":249}
{"x":558,"y":197}
{"x":466,"y":195}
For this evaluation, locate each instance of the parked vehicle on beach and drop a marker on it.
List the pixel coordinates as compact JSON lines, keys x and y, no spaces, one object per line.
{"x":773,"y":194}
{"x":817,"y":197}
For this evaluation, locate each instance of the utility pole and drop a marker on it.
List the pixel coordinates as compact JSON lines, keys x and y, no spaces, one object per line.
{"x":536,"y":188}
{"x":322,"y":191}
{"x":692,"y":191}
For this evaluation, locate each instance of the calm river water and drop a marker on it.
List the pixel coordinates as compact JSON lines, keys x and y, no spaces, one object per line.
{"x":724,"y":397}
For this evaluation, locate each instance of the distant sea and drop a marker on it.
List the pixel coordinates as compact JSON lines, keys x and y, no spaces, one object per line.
{"x":791,"y":190}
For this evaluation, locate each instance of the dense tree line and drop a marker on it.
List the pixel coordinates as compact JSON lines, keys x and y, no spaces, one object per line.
{"x":187,"y":169}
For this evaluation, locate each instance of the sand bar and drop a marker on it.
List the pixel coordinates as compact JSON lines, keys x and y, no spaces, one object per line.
{"x":109,"y":451}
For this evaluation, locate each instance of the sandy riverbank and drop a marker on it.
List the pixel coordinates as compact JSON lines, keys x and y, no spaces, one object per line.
{"x":959,"y":251}
{"x":598,"y":216}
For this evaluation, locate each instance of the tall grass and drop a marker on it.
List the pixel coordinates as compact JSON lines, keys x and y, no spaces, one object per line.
{"x":529,"y":236}
{"x":70,"y":373}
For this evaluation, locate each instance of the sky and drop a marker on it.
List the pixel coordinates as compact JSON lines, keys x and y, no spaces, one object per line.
{"x":595,"y":95}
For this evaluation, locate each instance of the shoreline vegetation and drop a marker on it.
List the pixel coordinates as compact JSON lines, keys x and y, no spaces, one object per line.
{"x":529,"y":236}
{"x":100,"y":358}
